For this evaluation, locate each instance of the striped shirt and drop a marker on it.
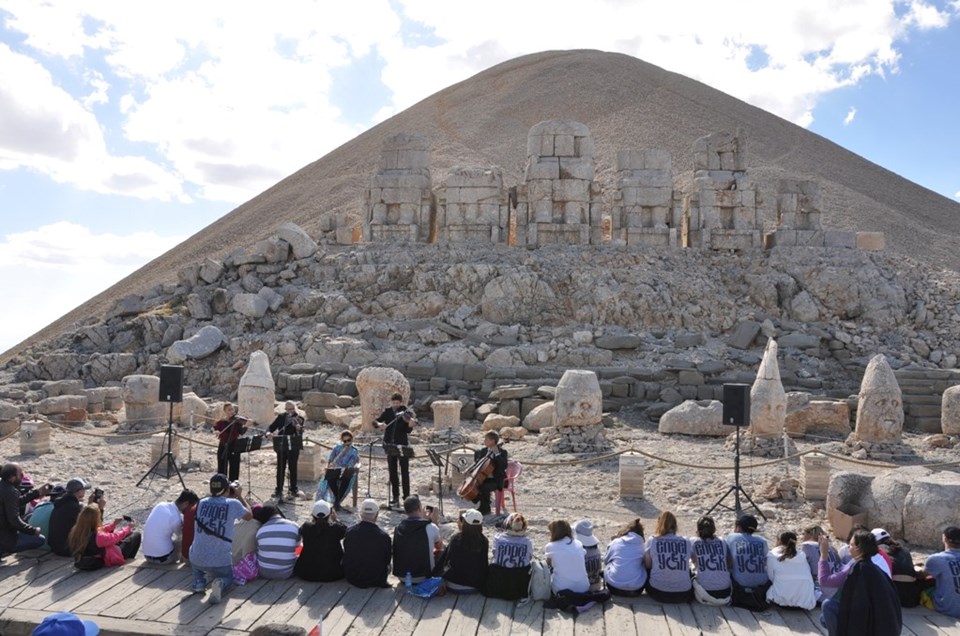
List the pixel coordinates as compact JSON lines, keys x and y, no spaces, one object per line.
{"x":277,"y":541}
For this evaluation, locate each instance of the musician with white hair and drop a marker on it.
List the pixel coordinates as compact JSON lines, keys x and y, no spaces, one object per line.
{"x":287,"y":433}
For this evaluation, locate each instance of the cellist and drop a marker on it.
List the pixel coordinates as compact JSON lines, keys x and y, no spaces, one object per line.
{"x":498,"y":479}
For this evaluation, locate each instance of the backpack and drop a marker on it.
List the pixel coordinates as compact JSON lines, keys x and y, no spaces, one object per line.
{"x":539,"y":581}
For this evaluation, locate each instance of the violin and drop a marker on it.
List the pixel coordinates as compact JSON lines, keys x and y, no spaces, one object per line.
{"x":476,"y":475}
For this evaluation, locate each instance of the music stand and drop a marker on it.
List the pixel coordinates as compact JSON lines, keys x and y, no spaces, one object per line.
{"x":370,"y":466}
{"x":439,"y":463}
{"x":167,"y":456}
{"x":250,"y":444}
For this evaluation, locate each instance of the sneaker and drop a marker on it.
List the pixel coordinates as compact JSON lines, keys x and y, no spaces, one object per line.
{"x":198,"y":589}
{"x":337,"y":507}
{"x":216,"y":591}
{"x":295,"y":493}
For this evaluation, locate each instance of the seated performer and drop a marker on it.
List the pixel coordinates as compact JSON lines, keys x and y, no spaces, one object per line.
{"x":497,"y":480}
{"x":287,"y":432}
{"x":228,"y":431}
{"x":398,"y":422}
{"x":341,"y":472}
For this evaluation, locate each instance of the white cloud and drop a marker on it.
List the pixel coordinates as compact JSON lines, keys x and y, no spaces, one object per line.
{"x":53,"y":268}
{"x":957,"y":195}
{"x":924,"y":15}
{"x":851,"y":115}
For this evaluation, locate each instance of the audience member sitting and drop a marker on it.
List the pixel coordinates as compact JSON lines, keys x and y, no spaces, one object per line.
{"x":748,"y":565}
{"x":163,"y":528}
{"x":463,"y":563}
{"x":40,"y":516}
{"x":277,"y":541}
{"x":667,"y":556}
{"x":16,"y":534}
{"x":64,"y":515}
{"x":367,"y":549}
{"x":867,"y":604}
{"x":583,"y":532}
{"x":189,"y":528}
{"x":623,"y":568}
{"x":508,"y":576}
{"x":213,"y":534}
{"x":414,"y":541}
{"x":322,"y":555}
{"x":790,"y":582}
{"x":245,"y":531}
{"x":903,"y":573}
{"x":94,"y":544}
{"x":711,"y":585}
{"x":881,"y":559}
{"x":944,"y":567}
{"x":565,"y":556}
{"x":811,"y":549}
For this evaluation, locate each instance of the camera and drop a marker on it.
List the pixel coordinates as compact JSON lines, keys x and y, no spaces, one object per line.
{"x":234,"y":485}
{"x":127,"y":518}
{"x":97,"y":494}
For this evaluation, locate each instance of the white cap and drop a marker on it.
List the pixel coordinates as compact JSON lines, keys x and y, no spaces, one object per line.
{"x":369,"y":507}
{"x":321,"y":508}
{"x":473,"y":517}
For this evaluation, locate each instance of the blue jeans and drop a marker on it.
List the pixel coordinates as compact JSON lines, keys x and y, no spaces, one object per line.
{"x":224,"y":573}
{"x":29,"y":541}
{"x":830,"y":615}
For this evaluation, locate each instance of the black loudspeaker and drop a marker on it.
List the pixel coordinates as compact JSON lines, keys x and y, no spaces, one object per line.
{"x":736,"y":404}
{"x":171,"y":383}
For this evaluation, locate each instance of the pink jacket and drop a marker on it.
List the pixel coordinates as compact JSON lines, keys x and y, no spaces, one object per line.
{"x":108,"y":540}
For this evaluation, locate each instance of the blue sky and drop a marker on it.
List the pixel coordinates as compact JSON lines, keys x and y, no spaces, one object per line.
{"x":127,"y":127}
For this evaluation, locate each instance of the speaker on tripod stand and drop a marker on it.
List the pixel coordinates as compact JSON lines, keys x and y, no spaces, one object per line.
{"x":736,"y":412}
{"x":171,"y":391}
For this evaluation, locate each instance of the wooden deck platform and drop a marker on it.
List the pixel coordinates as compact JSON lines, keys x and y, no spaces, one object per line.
{"x":141,"y":598}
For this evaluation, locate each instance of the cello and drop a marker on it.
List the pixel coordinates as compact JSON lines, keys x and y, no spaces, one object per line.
{"x":476,"y":475}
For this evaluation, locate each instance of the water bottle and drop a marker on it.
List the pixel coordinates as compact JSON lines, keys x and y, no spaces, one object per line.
{"x":408,"y":580}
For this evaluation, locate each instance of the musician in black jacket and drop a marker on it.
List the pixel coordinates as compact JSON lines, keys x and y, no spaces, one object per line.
{"x":498,"y":479}
{"x":399,"y":421}
{"x":287,"y":433}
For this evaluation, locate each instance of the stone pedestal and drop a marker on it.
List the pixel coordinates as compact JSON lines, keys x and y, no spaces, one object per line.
{"x":34,"y":438}
{"x":446,"y":414}
{"x":141,"y":401}
{"x":632,"y":467}
{"x":814,"y":476}
{"x":158,"y":446}
{"x":460,"y":462}
{"x":312,"y":463}
{"x":376,"y":385}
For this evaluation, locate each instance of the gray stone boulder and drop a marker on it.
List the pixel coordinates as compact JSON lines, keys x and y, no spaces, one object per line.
{"x":744,"y":335}
{"x":539,"y":418}
{"x":198,"y":307}
{"x":495,"y":422}
{"x":272,"y":298}
{"x":8,"y":411}
{"x":63,"y":387}
{"x":193,"y":408}
{"x":695,"y":417}
{"x":198,"y":346}
{"x":618,"y":341}
{"x":211,"y":270}
{"x":250,"y":305}
{"x":931,"y":506}
{"x":950,"y":411}
{"x":61,"y":404}
{"x":274,"y":250}
{"x":109,"y":367}
{"x":300,"y":242}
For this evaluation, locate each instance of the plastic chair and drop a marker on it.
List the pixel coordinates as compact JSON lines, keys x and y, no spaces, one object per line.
{"x":514,"y":469}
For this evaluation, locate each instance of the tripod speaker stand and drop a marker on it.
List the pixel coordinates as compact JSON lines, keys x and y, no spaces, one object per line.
{"x":736,"y":412}
{"x":171,"y":390}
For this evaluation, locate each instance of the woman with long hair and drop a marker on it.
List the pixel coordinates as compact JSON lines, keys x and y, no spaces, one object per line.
{"x":711,"y":584}
{"x":623,"y":568}
{"x":91,"y":540}
{"x":565,"y":556}
{"x":463,"y":563}
{"x":810,"y":545}
{"x":508,"y":576}
{"x":668,"y":558}
{"x":790,"y":582}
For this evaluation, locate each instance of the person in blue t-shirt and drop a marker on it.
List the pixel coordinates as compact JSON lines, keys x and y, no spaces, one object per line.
{"x":748,"y":565}
{"x":944,"y":567}
{"x":213,"y":534}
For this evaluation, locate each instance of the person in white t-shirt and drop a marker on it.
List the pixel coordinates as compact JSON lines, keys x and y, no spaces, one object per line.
{"x":164,"y":527}
{"x":791,"y":584}
{"x":566,"y":557}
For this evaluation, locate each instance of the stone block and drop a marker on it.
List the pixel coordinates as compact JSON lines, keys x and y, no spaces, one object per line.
{"x":631,"y":469}
{"x":744,"y":334}
{"x":450,"y":370}
{"x":871,"y":241}
{"x":836,"y":238}
{"x":320,"y":398}
{"x":34,"y":438}
{"x":810,"y":238}
{"x":312,"y":463}
{"x":512,"y":392}
{"x":618,"y":341}
{"x":509,"y":408}
{"x":694,"y":378}
{"x":474,"y":372}
{"x":446,"y":414}
{"x":544,"y":169}
{"x":814,"y":476}
{"x":494,"y":422}
{"x":577,"y":168}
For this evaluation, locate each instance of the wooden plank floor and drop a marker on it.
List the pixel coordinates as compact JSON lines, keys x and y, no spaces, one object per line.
{"x":141,"y":598}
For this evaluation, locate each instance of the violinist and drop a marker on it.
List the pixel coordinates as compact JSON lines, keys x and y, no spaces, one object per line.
{"x":498,"y":478}
{"x":228,"y":431}
{"x":398,"y":421}
{"x":287,"y":433}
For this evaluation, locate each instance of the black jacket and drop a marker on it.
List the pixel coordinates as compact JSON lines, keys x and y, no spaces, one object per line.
{"x":499,"y":476}
{"x":411,"y":548}
{"x":11,"y":523}
{"x":322,"y":556}
{"x":66,"y":509}
{"x":397,"y":428}
{"x":869,"y":605}
{"x":366,"y":555}
{"x":464,"y":566}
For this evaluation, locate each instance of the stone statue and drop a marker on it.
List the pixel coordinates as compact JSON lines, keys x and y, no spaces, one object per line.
{"x":880,"y":408}
{"x":768,"y":400}
{"x":255,"y":395}
{"x":376,"y":385}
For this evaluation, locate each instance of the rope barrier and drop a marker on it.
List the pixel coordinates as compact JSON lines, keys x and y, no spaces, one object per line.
{"x":11,"y":433}
{"x":70,"y":429}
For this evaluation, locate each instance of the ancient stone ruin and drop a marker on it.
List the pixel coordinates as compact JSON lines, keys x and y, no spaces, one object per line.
{"x":645,"y":211}
{"x":399,"y":203}
{"x":879,"y":423}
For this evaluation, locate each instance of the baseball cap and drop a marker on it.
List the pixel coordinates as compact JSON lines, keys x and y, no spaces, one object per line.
{"x":321,"y":508}
{"x":472,"y":517}
{"x":77,"y":484}
{"x":880,"y":534}
{"x":219,"y":484}
{"x":57,"y":491}
{"x":584,"y":532}
{"x":65,"y":624}
{"x":952,"y":533}
{"x":748,"y":523}
{"x":369,"y":507}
